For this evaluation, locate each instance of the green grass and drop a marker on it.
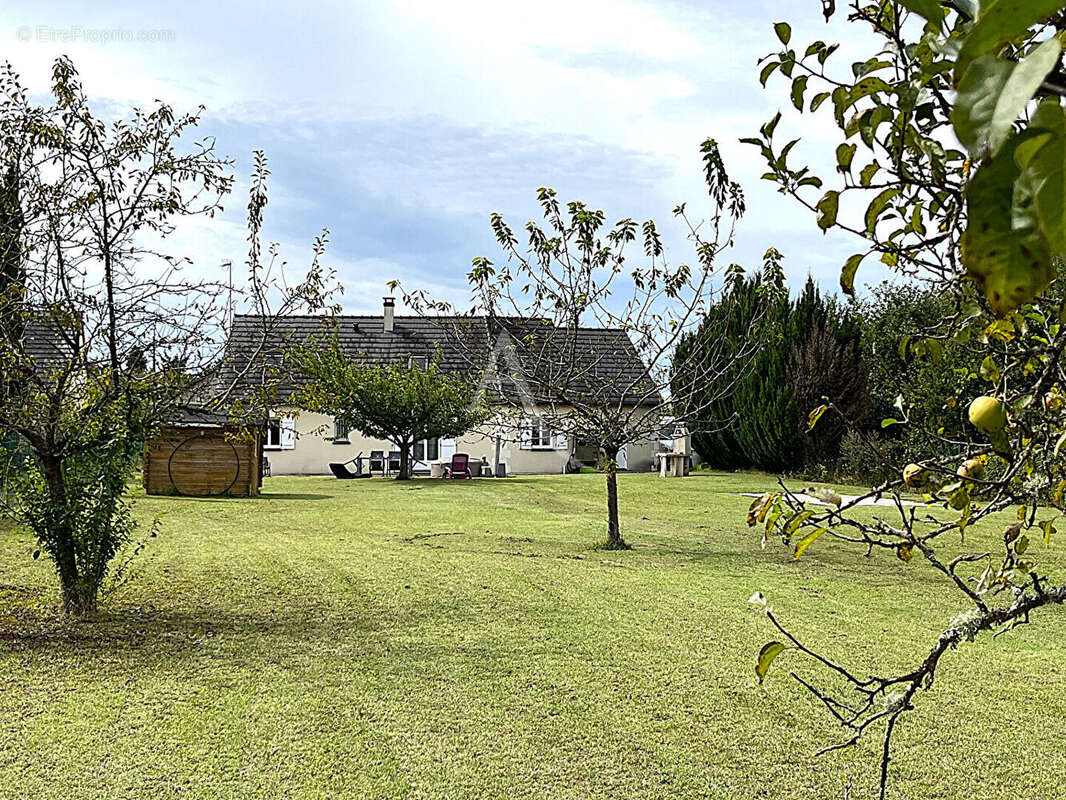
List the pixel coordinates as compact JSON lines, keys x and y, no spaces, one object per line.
{"x":464,"y":640}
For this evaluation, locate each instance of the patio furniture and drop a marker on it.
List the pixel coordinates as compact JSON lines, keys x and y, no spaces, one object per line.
{"x":377,"y":461}
{"x":436,"y":470}
{"x":341,"y":471}
{"x":459,"y":468}
{"x":394,"y":461}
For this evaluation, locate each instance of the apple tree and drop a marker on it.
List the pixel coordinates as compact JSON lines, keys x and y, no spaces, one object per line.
{"x":950,"y":167}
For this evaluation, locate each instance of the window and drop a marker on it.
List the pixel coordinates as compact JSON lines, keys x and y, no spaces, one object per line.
{"x":280,"y":434}
{"x":427,"y":450}
{"x":540,"y":434}
{"x":340,"y":432}
{"x":273,"y":434}
{"x":421,"y":362}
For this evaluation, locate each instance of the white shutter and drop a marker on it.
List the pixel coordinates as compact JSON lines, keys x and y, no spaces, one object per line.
{"x":288,"y":433}
{"x":562,"y":440}
{"x":526,"y":434}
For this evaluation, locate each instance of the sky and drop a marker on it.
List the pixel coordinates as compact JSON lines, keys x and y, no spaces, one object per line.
{"x":400,"y":125}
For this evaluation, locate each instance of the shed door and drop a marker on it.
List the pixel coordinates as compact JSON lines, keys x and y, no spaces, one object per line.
{"x":204,"y":464}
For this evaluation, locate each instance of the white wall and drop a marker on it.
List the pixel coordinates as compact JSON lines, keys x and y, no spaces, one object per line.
{"x":312,"y":450}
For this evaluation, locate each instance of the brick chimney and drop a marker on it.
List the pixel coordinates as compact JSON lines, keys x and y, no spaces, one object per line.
{"x":389,"y":310}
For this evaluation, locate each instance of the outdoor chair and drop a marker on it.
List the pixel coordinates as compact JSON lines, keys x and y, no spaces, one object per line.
{"x":377,"y":461}
{"x":341,"y":471}
{"x":394,"y":461}
{"x":459,"y":468}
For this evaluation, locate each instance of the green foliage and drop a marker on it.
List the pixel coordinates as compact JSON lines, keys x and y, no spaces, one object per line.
{"x":758,"y":413}
{"x":986,"y":227}
{"x":77,"y":506}
{"x":399,"y":402}
{"x":905,"y":104}
{"x":895,"y":315}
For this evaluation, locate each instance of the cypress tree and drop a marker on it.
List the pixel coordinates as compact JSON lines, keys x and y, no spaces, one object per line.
{"x":806,"y":348}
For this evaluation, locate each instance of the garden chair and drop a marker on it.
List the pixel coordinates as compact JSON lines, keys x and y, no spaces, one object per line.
{"x":394,"y":461}
{"x":459,"y":468}
{"x":377,"y":461}
{"x":341,"y":471}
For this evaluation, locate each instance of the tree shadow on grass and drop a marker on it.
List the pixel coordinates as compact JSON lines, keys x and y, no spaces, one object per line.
{"x":193,"y":500}
{"x":176,"y":633}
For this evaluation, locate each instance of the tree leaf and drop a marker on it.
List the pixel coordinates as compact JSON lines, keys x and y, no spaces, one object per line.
{"x":999,"y":22}
{"x":877,"y":208}
{"x":845,"y":154}
{"x":783,"y":31}
{"x":795,"y":522}
{"x":814,"y":416}
{"x":1048,"y":526}
{"x":806,"y":542}
{"x":847,"y":274}
{"x":866,"y":176}
{"x":818,"y":99}
{"x":799,"y":86}
{"x":905,"y":552}
{"x":960,"y":498}
{"x":769,"y":652}
{"x":930,"y":10}
{"x":1008,"y":256}
{"x":827,"y":209}
{"x":994,"y":92}
{"x":767,"y":71}
{"x":1043,"y":160}
{"x":988,"y":370}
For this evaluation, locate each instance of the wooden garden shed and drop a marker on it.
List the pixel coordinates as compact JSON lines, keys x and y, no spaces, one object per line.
{"x":201,"y":454}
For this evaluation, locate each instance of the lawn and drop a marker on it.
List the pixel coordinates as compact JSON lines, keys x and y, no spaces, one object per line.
{"x":463,"y":640}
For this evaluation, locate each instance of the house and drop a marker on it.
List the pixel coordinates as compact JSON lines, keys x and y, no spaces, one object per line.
{"x":523,"y":435}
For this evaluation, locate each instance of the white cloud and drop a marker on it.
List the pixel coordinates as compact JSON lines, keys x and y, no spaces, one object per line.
{"x":473,"y":105}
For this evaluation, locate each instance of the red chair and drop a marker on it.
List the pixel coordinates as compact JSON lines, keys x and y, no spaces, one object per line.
{"x":459,"y":468}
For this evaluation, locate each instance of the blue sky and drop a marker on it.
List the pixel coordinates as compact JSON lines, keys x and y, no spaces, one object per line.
{"x":401,"y":125}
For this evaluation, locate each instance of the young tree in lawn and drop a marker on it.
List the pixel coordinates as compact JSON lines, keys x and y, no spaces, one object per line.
{"x":574,"y":272}
{"x":402,"y":403}
{"x":984,"y":226}
{"x":110,"y":333}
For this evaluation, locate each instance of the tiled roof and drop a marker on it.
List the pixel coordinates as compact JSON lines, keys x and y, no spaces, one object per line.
{"x":45,"y":343}
{"x":586,"y":365}
{"x":551,"y":364}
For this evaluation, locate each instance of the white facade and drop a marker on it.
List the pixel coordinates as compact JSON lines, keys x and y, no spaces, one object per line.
{"x":304,"y":443}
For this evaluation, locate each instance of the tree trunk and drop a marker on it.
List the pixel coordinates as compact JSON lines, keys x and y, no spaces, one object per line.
{"x":405,"y":462}
{"x":77,"y":597}
{"x":614,"y":531}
